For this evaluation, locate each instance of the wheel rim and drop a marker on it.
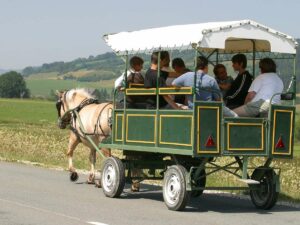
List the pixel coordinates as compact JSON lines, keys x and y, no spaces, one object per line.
{"x":109,"y":178}
{"x":172,"y":190}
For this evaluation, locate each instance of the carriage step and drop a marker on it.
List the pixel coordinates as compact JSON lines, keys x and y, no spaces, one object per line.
{"x":249,"y":181}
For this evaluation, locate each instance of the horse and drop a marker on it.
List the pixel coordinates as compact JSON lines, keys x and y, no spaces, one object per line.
{"x":95,"y":120}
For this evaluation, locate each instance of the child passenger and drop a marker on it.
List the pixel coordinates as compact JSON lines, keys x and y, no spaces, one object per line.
{"x":224,"y":81}
{"x":133,"y":74}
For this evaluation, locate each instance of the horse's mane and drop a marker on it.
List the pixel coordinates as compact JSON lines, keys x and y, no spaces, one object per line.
{"x":79,"y":92}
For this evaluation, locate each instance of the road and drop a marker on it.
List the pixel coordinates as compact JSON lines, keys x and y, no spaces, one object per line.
{"x":37,"y":196}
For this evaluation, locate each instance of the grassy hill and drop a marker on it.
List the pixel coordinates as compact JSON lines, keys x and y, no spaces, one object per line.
{"x":101,"y":71}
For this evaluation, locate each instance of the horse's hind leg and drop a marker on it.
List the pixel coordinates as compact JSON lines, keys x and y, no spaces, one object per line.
{"x":91,"y":179}
{"x":73,"y":142}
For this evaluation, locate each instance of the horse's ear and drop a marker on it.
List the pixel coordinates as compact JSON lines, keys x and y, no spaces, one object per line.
{"x":59,"y":93}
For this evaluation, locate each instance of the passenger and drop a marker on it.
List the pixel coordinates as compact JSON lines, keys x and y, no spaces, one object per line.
{"x":133,"y":74}
{"x":179,"y":68}
{"x":224,"y":81}
{"x":237,"y":93}
{"x":151,"y":80}
{"x":206,"y":86}
{"x":261,"y":91}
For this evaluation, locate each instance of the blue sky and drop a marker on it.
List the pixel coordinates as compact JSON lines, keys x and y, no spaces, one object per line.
{"x":33,"y":32}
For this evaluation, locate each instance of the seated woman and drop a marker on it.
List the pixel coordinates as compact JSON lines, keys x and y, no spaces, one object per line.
{"x":261,"y":91}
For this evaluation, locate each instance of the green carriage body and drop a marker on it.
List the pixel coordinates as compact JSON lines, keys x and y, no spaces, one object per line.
{"x":191,"y":139}
{"x":204,"y":132}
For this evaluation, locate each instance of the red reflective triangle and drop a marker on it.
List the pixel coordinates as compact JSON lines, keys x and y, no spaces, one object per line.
{"x":210,"y":142}
{"x":280,"y":143}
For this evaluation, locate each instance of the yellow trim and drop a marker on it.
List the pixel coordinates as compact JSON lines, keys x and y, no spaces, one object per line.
{"x":188,"y":92}
{"x":138,"y":141}
{"x":116,"y":127}
{"x":246,"y":149}
{"x":133,"y":84}
{"x":175,"y":143}
{"x":274,"y":128}
{"x":153,"y":91}
{"x":199,"y":151}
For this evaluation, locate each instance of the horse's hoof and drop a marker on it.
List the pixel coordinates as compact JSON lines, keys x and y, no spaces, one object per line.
{"x":74,"y":176}
{"x":135,"y":187}
{"x":98,"y":184}
{"x":91,"y":179}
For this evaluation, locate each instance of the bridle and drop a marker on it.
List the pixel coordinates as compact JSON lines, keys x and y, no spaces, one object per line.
{"x":62,"y":120}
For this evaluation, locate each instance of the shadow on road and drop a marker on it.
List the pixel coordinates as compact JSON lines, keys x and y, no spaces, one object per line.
{"x":216,"y":202}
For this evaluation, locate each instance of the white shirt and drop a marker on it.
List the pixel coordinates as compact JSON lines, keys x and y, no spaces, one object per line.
{"x":265,"y":86}
{"x":119,"y":80}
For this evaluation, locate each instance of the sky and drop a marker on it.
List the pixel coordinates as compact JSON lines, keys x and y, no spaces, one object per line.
{"x":33,"y":32}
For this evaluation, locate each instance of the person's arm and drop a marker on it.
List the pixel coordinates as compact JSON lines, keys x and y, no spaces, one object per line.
{"x":173,"y":74}
{"x":118,"y":82}
{"x":254,"y":88}
{"x":171,"y":102}
{"x":179,"y":81}
{"x":215,"y":88}
{"x":250,"y":96}
{"x":240,"y":88}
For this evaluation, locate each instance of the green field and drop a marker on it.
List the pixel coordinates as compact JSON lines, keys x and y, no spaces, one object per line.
{"x":27,"y":111}
{"x":42,"y":87}
{"x":28,"y":132}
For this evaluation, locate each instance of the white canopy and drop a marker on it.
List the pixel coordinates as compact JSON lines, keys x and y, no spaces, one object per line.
{"x":231,"y":37}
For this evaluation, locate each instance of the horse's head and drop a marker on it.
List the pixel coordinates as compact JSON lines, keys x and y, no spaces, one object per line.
{"x":62,"y":107}
{"x":67,"y":100}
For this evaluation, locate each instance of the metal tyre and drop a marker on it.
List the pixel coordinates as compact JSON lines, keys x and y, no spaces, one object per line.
{"x":174,"y":188}
{"x":113,"y":177}
{"x":266,"y":196}
{"x":200,"y":183}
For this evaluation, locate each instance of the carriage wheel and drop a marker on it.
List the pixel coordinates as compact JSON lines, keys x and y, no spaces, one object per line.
{"x":174,"y":188}
{"x":113,"y":177}
{"x":266,"y":196}
{"x":200,"y":183}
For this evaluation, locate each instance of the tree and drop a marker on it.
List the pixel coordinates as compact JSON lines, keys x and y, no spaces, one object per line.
{"x":12,"y":85}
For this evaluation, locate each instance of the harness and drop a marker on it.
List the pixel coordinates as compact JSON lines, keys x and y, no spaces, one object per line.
{"x":84,"y":103}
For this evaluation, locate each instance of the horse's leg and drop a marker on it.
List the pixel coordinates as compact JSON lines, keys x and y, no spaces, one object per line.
{"x":106,"y":152}
{"x":91,"y":179}
{"x":73,"y":142}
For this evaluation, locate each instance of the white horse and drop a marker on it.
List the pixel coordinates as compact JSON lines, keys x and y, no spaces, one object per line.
{"x":95,"y":120}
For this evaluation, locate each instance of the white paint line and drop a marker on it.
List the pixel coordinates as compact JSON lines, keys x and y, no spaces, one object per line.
{"x":97,"y":223}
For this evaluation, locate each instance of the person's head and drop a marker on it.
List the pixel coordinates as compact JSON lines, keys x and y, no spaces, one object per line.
{"x":178,"y":65}
{"x":239,"y":62}
{"x":164,"y":58}
{"x":220,"y":72}
{"x":136,"y":63}
{"x":267,"y":65}
{"x":202,"y":63}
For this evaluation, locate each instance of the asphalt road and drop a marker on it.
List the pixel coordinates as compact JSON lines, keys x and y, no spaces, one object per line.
{"x":36,"y":196}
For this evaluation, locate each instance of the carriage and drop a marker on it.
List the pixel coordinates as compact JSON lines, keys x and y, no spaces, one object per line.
{"x":180,"y":147}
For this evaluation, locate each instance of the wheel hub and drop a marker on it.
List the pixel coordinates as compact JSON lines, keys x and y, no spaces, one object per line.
{"x":109,"y":178}
{"x":173,"y":189}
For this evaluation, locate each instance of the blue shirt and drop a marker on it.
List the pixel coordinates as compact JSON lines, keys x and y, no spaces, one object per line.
{"x":207,"y":88}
